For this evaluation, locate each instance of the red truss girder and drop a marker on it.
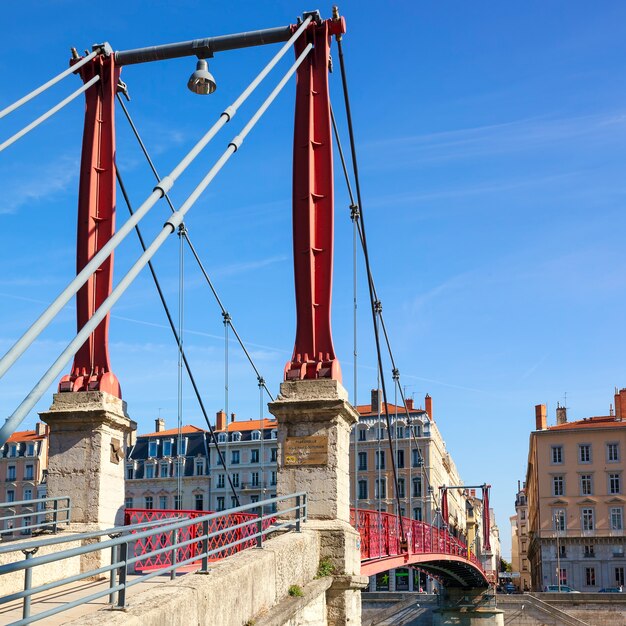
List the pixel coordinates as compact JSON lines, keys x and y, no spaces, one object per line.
{"x":313,"y":208}
{"x":96,"y":224}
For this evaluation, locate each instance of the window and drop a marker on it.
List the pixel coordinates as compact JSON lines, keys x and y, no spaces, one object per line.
{"x":524,"y":565}
{"x":183,"y":446}
{"x":563,"y":551}
{"x":167,"y":447}
{"x":557,"y":455}
{"x":128,"y":503}
{"x":274,"y":434}
{"x":254,"y":499}
{"x":399,"y":432}
{"x":401,"y":488}
{"x":563,"y":576}
{"x":362,"y":461}
{"x":11,"y":472}
{"x":380,"y":459}
{"x":588,"y":551}
{"x":149,"y":467}
{"x":199,"y":502}
{"x":382,"y":433}
{"x":559,"y":519}
{"x":234,"y":457}
{"x":30,"y":449}
{"x":255,"y":479}
{"x":381,"y":488}
{"x":256,"y":435}
{"x":233,"y":502}
{"x":254,"y":456}
{"x":362,"y":490}
{"x":10,"y":495}
{"x":585,"y":485}
{"x":417,"y":513}
{"x":163,"y":502}
{"x":130,"y":472}
{"x":13,"y":450}
{"x":612,"y":452}
{"x":179,"y":467}
{"x":152,"y":448}
{"x":400,"y":462}
{"x":416,"y":460}
{"x":362,"y":434}
{"x":164,"y":470}
{"x":220,"y":481}
{"x":199,"y":467}
{"x":221,"y":438}
{"x":617,"y":518}
{"x":523,"y":514}
{"x":28,"y":494}
{"x":273,"y":479}
{"x":417,"y":487}
{"x":587,"y":519}
{"x":25,"y":524}
{"x":619,"y":576}
{"x":177,"y":503}
{"x":590,"y":576}
{"x":274,"y":455}
{"x":614,"y":483}
{"x":29,"y":473}
{"x":236,"y":437}
{"x":235,"y":480}
{"x":584,"y":453}
{"x":148,"y":504}
{"x":558,"y":486}
{"x":220,"y":503}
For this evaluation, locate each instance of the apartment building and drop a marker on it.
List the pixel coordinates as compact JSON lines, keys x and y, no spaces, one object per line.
{"x":520,"y":541}
{"x":168,"y":471}
{"x":423,"y":465}
{"x":23,"y":467}
{"x":575,"y":497}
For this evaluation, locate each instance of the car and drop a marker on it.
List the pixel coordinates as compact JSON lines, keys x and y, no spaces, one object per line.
{"x":560,"y":589}
{"x":509,"y":588}
{"x":610,"y":590}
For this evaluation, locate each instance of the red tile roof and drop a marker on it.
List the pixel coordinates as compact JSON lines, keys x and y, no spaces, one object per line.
{"x":250,"y":425}
{"x":366,"y":409}
{"x":25,"y":435}
{"x":601,"y":421}
{"x":185,"y":430}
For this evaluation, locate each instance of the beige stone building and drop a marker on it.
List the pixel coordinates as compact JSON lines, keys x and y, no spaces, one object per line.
{"x":575,"y":493}
{"x":520,"y":541}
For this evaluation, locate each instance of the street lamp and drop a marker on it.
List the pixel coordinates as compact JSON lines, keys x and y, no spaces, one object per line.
{"x":202,"y":81}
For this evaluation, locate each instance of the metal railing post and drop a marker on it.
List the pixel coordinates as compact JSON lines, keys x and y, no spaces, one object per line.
{"x":55,"y":515}
{"x":259,"y":528}
{"x":205,"y":547}
{"x":123,"y":571}
{"x":299,"y":511}
{"x":174,"y":546}
{"x":28,"y":581}
{"x":113,"y":572}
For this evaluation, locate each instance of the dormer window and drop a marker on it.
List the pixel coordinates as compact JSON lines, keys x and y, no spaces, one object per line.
{"x":183,"y":447}
{"x":164,"y":472}
{"x":221,"y":438}
{"x":152,"y":447}
{"x":256,"y":435}
{"x":236,"y":436}
{"x":274,"y":434}
{"x":13,"y":450}
{"x":167,"y":447}
{"x":30,"y":449}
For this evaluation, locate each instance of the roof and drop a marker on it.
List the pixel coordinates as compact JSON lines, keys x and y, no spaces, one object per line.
{"x":601,"y":421}
{"x":25,"y":435}
{"x":239,"y":427}
{"x":185,"y":430}
{"x":366,"y":409}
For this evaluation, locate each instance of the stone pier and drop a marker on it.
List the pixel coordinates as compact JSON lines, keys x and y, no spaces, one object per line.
{"x":314,"y":424}
{"x":468,"y":607}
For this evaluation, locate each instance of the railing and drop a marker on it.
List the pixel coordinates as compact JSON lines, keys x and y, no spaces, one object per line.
{"x":48,"y":514}
{"x":191,"y":542}
{"x":381,"y":537}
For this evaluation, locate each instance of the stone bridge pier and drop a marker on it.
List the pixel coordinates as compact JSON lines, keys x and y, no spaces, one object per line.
{"x":314,"y":424}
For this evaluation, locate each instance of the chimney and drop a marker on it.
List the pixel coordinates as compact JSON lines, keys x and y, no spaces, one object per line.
{"x":220,"y":420}
{"x":611,"y":413}
{"x":40,"y":429}
{"x":473,"y":493}
{"x":541,"y":417}
{"x":561,"y":414}
{"x":620,"y":404}
{"x":428,"y":405}
{"x":376,"y":400}
{"x":232,"y":417}
{"x":159,"y":424}
{"x":409,"y":404}
{"x":518,"y":486}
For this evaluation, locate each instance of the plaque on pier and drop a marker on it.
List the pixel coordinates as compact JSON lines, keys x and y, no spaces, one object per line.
{"x":306,"y":450}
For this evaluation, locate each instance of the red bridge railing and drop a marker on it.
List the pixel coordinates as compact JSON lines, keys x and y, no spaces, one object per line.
{"x":381,"y":537}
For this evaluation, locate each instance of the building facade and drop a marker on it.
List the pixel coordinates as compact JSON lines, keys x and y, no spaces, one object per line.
{"x":520,"y":541}
{"x":575,"y":495}
{"x":23,"y":468}
{"x":168,"y":471}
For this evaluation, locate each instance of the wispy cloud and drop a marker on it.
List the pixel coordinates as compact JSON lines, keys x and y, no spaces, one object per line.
{"x":51,"y":180}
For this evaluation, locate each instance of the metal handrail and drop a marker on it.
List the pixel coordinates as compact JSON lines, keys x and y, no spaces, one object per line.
{"x":122,"y":537}
{"x":55,"y":512}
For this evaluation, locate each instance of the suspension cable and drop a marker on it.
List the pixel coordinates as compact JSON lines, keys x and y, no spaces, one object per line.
{"x":375,"y":304}
{"x":181,"y":318}
{"x":191,"y":246}
{"x":49,"y":113}
{"x":170,"y":320}
{"x":170,"y":226}
{"x":159,"y":191}
{"x":53,"y":81}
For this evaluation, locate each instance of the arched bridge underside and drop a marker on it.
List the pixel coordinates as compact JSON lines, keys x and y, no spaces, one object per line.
{"x":428,"y":548}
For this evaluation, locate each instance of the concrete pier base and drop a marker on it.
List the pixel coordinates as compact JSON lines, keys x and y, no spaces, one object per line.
{"x":314,"y":424}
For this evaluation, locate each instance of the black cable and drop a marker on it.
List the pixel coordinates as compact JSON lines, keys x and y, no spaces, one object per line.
{"x":260,"y":378}
{"x":375,"y":304}
{"x":176,"y":337}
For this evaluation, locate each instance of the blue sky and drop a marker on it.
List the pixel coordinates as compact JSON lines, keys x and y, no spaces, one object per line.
{"x":491,"y":140}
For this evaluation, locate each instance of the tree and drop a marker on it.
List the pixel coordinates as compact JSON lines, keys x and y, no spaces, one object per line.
{"x":505,"y":566}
